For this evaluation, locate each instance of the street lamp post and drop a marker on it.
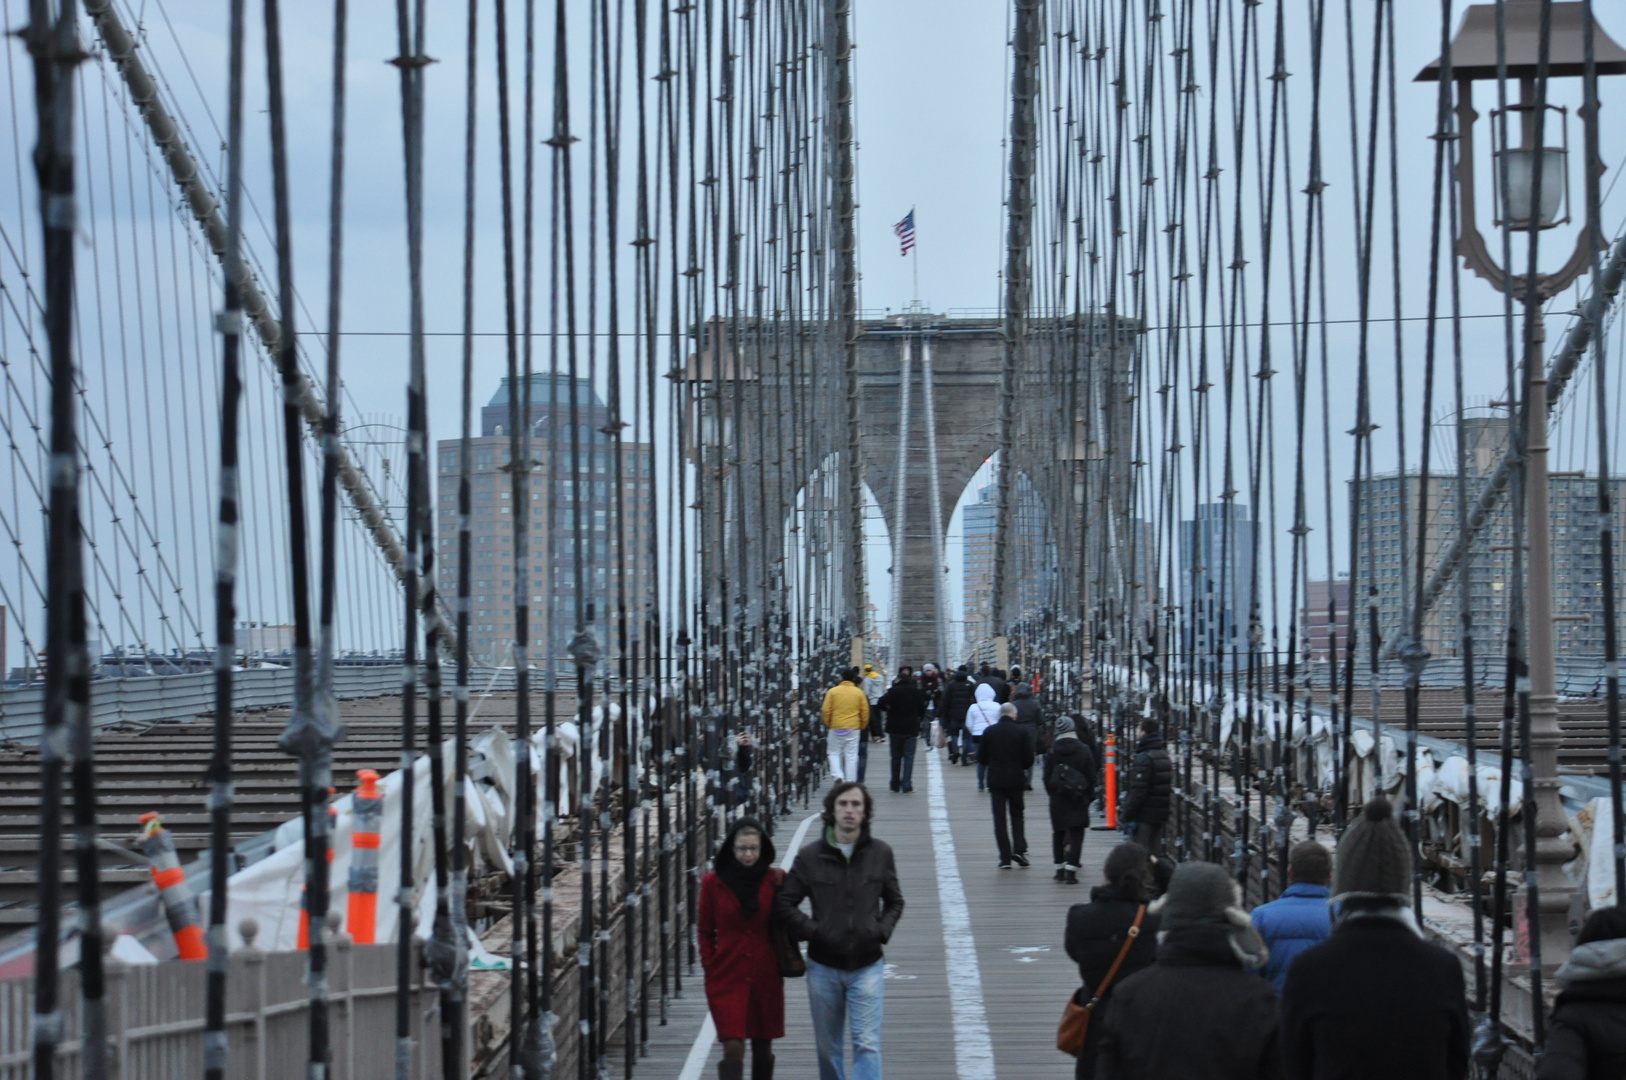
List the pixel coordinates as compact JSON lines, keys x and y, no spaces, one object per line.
{"x":1524,"y":204}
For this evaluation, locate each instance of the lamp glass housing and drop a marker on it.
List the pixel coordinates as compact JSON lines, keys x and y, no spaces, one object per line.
{"x":1513,"y":203}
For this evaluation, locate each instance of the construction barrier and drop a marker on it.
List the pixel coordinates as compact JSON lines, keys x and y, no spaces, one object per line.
{"x":167,"y":875}
{"x":367,"y":809}
{"x":1112,"y":782}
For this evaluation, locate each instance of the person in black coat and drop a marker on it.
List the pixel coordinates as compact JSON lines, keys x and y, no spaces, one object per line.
{"x":1586,"y":1038}
{"x":1151,"y":788}
{"x":1069,"y":780}
{"x":1374,"y":974}
{"x":1096,"y":932}
{"x":957,"y":698}
{"x":1008,"y":753}
{"x":1198,"y":1013}
{"x":905,"y":708}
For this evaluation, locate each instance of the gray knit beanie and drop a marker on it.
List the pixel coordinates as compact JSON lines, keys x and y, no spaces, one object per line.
{"x":1203,"y":894}
{"x":1064,"y":726}
{"x":1373,"y":860}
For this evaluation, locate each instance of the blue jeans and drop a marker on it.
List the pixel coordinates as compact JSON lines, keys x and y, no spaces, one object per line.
{"x":903,"y":761}
{"x":982,"y":770}
{"x":856,"y":998}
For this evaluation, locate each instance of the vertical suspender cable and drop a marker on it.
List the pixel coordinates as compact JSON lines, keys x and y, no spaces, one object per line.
{"x":55,"y":47}
{"x":900,"y":502}
{"x":1606,"y":510}
{"x":455,"y":1066}
{"x":940,"y":655}
{"x":1027,"y":41}
{"x":845,"y":243}
{"x":409,"y":60}
{"x":309,"y":734}
{"x":227,"y":545}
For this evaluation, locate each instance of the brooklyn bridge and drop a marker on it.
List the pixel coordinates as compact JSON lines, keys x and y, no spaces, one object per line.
{"x":482,"y":486}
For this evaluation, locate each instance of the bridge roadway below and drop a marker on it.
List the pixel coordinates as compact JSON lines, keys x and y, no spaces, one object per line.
{"x":1016,"y":918}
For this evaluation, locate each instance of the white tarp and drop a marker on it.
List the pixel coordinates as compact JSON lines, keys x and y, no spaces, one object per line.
{"x":270,"y":891}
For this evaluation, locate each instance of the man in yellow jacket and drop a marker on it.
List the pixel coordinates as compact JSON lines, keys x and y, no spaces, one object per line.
{"x":846,"y":715}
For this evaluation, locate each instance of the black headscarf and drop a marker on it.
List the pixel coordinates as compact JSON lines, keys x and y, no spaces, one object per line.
{"x":745,"y":881}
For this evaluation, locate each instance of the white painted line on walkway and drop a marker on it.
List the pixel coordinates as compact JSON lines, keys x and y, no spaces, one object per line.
{"x":695,"y":1063}
{"x":973,"y":1049}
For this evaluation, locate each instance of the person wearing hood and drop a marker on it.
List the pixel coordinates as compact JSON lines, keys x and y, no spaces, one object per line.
{"x":744,"y":989}
{"x":905,"y":708}
{"x":1069,"y":780}
{"x":982,"y":715}
{"x":1030,"y":717}
{"x":958,"y":696}
{"x":1096,"y":933}
{"x":992,"y":676}
{"x":1151,"y":788}
{"x":852,"y":881}
{"x":1586,"y":1037}
{"x":1374,"y":974}
{"x":1197,"y":1013}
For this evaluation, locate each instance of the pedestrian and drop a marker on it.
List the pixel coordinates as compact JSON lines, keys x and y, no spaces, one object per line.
{"x":931,"y":685}
{"x":1008,"y":754}
{"x":846,"y":715}
{"x":732,"y":785}
{"x":982,"y":715}
{"x":1374,"y":974}
{"x":1031,"y":717}
{"x":1197,"y":1013}
{"x":872,"y":684}
{"x":1069,"y":780}
{"x":852,"y":882}
{"x":1299,"y":918}
{"x":905,"y":709}
{"x":1096,"y":933}
{"x":744,"y":989}
{"x":994,"y":677}
{"x":1586,"y":1038}
{"x":872,"y":691}
{"x":958,"y":696}
{"x":1151,"y":788}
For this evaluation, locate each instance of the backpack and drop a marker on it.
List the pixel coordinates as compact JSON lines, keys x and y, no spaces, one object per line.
{"x":1068,"y":781}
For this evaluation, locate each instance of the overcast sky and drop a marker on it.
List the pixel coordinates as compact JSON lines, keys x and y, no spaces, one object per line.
{"x":931,"y":104}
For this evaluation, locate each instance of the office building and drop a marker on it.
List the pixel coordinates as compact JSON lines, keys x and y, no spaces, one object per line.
{"x":1216,"y":579}
{"x":1389,"y":557}
{"x":553,"y":595}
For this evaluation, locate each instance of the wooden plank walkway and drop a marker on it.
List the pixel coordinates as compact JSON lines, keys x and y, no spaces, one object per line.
{"x":1016,"y":920}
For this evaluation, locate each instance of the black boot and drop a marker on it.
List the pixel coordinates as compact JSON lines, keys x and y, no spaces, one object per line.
{"x":1069,"y":875}
{"x":730,"y":1070}
{"x":1060,"y":871}
{"x":761,"y":1067}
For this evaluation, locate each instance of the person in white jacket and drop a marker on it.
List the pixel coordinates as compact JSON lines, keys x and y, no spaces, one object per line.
{"x":982,"y":715}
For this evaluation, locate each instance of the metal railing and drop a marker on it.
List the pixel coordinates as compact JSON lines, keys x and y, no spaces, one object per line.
{"x":155,"y":1017}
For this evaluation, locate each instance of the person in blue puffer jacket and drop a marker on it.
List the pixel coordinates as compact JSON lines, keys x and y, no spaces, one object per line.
{"x":1300,"y":918}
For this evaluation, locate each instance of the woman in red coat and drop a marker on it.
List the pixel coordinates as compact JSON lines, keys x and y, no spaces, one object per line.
{"x":743,"y":985}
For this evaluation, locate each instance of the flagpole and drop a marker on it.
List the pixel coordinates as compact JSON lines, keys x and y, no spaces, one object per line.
{"x":914,"y":261}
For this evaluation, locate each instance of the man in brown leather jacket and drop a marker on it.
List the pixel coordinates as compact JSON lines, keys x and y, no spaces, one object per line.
{"x":853,"y":883}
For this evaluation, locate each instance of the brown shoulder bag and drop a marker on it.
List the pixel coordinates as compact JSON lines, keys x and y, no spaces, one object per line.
{"x":787,"y":952}
{"x":1075,"y":1020}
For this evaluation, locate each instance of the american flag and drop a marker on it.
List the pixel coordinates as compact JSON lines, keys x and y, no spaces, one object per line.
{"x":906,"y":232}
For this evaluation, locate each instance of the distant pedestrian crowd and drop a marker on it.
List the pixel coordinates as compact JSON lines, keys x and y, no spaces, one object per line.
{"x":1333,"y":980}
